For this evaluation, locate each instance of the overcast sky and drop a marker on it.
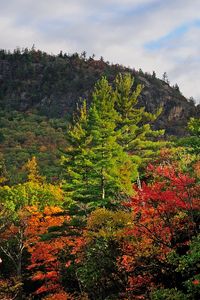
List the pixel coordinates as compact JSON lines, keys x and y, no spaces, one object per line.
{"x":159,"y":35}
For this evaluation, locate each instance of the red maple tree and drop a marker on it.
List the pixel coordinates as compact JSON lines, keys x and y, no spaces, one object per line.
{"x":164,"y":219}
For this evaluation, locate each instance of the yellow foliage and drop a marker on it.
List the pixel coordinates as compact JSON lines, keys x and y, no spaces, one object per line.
{"x":32,"y":193}
{"x":33,"y":173}
{"x":51,"y":210}
{"x":107,"y":224}
{"x":43,"y":148}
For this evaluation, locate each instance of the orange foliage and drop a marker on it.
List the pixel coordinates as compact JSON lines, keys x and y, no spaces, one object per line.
{"x":45,"y":246}
{"x":59,"y":296}
{"x":197,"y":169}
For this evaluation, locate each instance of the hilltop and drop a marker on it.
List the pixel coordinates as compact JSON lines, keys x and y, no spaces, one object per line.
{"x":52,"y":85}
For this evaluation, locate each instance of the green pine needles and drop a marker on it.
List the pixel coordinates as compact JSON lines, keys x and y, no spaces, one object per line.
{"x":107,"y":143}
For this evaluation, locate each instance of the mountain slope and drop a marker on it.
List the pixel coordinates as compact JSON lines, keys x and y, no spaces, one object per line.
{"x":52,"y":86}
{"x":40,"y":92}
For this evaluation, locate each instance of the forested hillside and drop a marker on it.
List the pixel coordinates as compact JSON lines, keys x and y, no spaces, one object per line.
{"x":97,"y":202}
{"x":51,"y":85}
{"x":40,"y":92}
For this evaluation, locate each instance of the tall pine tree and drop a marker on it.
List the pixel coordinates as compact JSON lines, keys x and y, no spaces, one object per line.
{"x":97,"y":169}
{"x":107,"y":144}
{"x":136,"y":135}
{"x":112,"y":167}
{"x":76,"y":162}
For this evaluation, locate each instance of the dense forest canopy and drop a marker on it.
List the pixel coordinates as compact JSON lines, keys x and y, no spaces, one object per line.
{"x":97,"y":201}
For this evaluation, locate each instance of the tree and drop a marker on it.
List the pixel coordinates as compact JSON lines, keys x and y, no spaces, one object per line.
{"x":136,"y":136}
{"x":107,"y":155}
{"x":186,"y":269}
{"x":33,"y":173}
{"x":12,"y":251}
{"x":14,"y":219}
{"x":3,"y":172}
{"x":176,"y":87}
{"x":154,"y":74}
{"x":34,"y":191}
{"x":165,"y":218}
{"x":97,"y":270}
{"x":44,"y":254}
{"x":107,"y":143}
{"x":96,"y":166}
{"x":194,"y":126}
{"x":192,"y":142}
{"x":49,"y":240}
{"x":165,"y":77}
{"x":76,"y":161}
{"x":13,"y":244}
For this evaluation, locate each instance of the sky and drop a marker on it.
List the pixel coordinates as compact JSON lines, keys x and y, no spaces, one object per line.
{"x":154,"y":35}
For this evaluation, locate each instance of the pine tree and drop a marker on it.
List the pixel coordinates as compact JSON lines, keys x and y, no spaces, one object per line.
{"x":110,"y":162}
{"x":107,"y":144}
{"x":136,"y":134}
{"x":96,"y":167}
{"x":76,"y":160}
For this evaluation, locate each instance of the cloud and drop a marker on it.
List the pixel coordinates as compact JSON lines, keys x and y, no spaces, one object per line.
{"x":149,"y":34}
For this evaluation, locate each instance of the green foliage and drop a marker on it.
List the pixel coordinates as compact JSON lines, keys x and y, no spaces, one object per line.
{"x":30,"y":193}
{"x":98,"y":274}
{"x":98,"y":271}
{"x":106,"y":145}
{"x":107,"y":156}
{"x":94,"y":161}
{"x":194,"y":126}
{"x":76,"y":159}
{"x":136,"y":135}
{"x":35,"y":191}
{"x":192,"y":142}
{"x":190,"y":262}
{"x":168,"y":294}
{"x":10,"y":288}
{"x":3,"y":171}
{"x":104,"y":149}
{"x":187,"y":267}
{"x":27,"y":135}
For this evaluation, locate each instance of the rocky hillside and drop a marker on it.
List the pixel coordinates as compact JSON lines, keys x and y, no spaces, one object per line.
{"x":49,"y":85}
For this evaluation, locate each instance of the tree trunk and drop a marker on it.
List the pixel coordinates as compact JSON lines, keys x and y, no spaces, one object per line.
{"x":102,"y":185}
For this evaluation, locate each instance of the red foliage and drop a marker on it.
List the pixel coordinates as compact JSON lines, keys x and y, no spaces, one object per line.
{"x":195,"y":282}
{"x":163,"y":219}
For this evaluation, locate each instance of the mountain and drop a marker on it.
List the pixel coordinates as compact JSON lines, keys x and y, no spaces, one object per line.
{"x":52,"y":86}
{"x":39,"y":93}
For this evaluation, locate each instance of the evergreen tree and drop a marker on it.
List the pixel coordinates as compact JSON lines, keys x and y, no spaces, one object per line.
{"x":107,"y":144}
{"x":76,"y":161}
{"x":97,"y":168}
{"x":111,"y":165}
{"x":136,"y":135}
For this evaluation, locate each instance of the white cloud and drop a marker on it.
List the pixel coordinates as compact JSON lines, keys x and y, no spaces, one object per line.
{"x":118,"y":30}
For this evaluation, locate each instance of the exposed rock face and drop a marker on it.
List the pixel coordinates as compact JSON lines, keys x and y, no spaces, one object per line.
{"x":53,"y":85}
{"x":176,"y":113}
